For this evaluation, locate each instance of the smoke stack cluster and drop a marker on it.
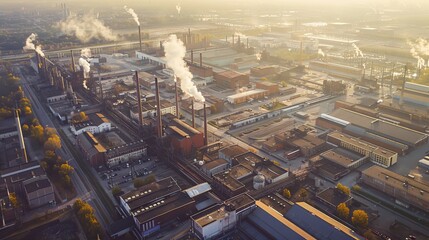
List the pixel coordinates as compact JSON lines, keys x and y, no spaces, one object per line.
{"x":158,"y":109}
{"x":139,"y":99}
{"x":73,"y":67}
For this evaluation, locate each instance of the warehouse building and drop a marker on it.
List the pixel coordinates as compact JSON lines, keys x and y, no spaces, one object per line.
{"x":95,"y":123}
{"x":247,"y":96}
{"x":403,"y":189}
{"x":231,"y":79}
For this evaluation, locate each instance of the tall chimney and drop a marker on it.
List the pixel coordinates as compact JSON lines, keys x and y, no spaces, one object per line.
{"x":139,"y":99}
{"x":20,"y":136}
{"x":192,"y":56}
{"x":205,"y":125}
{"x":391,"y":80}
{"x":193,"y":113}
{"x":201,"y":59}
{"x":401,"y":100}
{"x":73,"y":67}
{"x":158,"y":108}
{"x":140,"y":39}
{"x":177,"y":99}
{"x":160,"y":46}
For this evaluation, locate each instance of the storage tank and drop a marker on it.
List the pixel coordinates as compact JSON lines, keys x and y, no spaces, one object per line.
{"x":258,"y":181}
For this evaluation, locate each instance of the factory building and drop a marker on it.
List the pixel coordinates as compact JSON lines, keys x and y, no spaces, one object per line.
{"x":247,"y":96}
{"x":231,"y":79}
{"x":93,"y":151}
{"x":154,"y":204}
{"x":413,"y":93}
{"x":272,"y":88}
{"x":377,"y":155}
{"x":149,"y":109}
{"x":263,"y":71}
{"x":404,"y":189}
{"x":38,"y":191}
{"x":125,"y":153}
{"x":183,"y":138}
{"x":335,"y":69}
{"x":95,"y":123}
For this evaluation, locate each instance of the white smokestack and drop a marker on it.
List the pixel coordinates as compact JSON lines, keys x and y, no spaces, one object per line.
{"x":358,"y":52}
{"x":320,"y":52}
{"x":178,"y":8}
{"x":174,"y":53}
{"x":30,"y":44}
{"x":86,"y":28}
{"x":419,"y":47}
{"x":134,"y":14}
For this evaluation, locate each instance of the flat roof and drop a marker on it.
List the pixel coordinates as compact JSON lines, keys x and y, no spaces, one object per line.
{"x":240,"y":201}
{"x":337,"y":158}
{"x":226,"y":179}
{"x":318,"y":224}
{"x":230,"y":74}
{"x":398,"y":133}
{"x":416,"y":189}
{"x":36,"y":185}
{"x":247,"y":93}
{"x":233,"y":150}
{"x":215,"y":163}
{"x":363,"y":144}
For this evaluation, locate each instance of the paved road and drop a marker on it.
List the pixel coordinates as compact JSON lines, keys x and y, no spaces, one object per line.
{"x":78,"y":178}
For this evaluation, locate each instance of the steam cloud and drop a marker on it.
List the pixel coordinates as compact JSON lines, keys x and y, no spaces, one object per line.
{"x":174,"y":53}
{"x":258,"y":56}
{"x":358,"y":52}
{"x":134,"y":14}
{"x":86,"y":28}
{"x":320,"y":52}
{"x":419,"y":47}
{"x":178,"y":8}
{"x":84,"y":61}
{"x":30,"y":44}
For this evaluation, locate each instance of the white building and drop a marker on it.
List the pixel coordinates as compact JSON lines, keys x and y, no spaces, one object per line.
{"x":95,"y":123}
{"x":149,"y":109}
{"x":126,"y":152}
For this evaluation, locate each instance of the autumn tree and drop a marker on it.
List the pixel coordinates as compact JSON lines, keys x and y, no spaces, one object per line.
{"x":369,"y":235}
{"x":303,"y":194}
{"x":343,"y":189}
{"x":52,"y":143}
{"x":116,"y":191}
{"x":343,"y":211}
{"x":14,"y":200}
{"x":25,"y":129}
{"x":360,"y":218}
{"x":87,"y":219}
{"x":286,"y":193}
{"x":37,"y":133}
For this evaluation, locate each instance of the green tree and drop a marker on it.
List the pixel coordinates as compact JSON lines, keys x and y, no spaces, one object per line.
{"x":343,"y":211}
{"x":286,"y":193}
{"x":360,"y":218}
{"x":343,"y":189}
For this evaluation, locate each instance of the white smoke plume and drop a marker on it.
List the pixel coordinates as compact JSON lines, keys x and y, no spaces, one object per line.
{"x":320,"y":52}
{"x":84,"y":61}
{"x":174,"y":53}
{"x":178,"y":8}
{"x":258,"y":56}
{"x":419,"y":47}
{"x":134,"y":14}
{"x":358,"y":52}
{"x":239,"y":34}
{"x":30,"y":44}
{"x":86,"y":28}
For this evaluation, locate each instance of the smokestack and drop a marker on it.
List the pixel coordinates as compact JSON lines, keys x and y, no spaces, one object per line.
{"x":177,"y":99}
{"x":140,"y":39}
{"x":139,"y":99}
{"x":72,"y":64}
{"x":226,"y":39}
{"x":20,"y":136}
{"x":205,"y":125}
{"x":401,"y":100}
{"x":158,"y":108}
{"x":193,"y":113}
{"x":201,"y":59}
{"x":192,"y":56}
{"x":160,"y":45}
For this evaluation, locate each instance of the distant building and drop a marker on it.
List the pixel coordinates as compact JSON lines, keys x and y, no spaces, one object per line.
{"x":93,"y":151}
{"x":149,"y":109}
{"x":125,"y":153}
{"x":183,"y":138}
{"x":39,"y":191}
{"x":247,"y":96}
{"x":231,"y":79}
{"x":262,"y":71}
{"x":272,"y":88}
{"x":404,"y":189}
{"x":96,"y":123}
{"x":333,"y":197}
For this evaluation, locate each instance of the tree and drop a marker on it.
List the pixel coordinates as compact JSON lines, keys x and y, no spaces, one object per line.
{"x":343,"y":211}
{"x":37,"y":133}
{"x":50,"y":132}
{"x":53,"y":143}
{"x":27,"y":111}
{"x":82,"y":116}
{"x":286,"y":193}
{"x":14,"y":200}
{"x":65,"y":169}
{"x":360,"y":218}
{"x":343,"y":189}
{"x":356,"y":188}
{"x":25,"y":129}
{"x":303,"y":194}
{"x":116,"y":191}
{"x":138,"y":182}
